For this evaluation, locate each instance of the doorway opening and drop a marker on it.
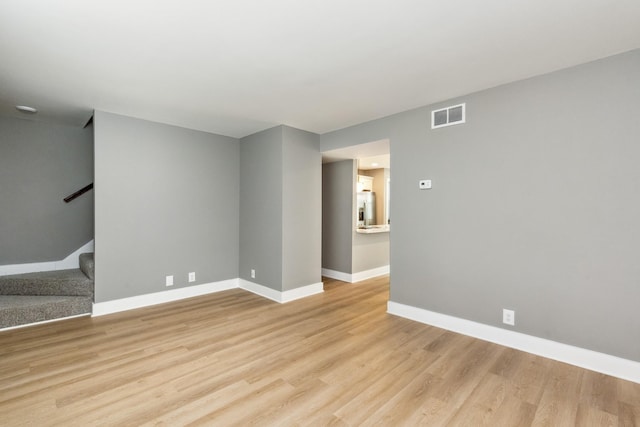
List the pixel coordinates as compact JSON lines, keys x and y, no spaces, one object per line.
{"x":356,"y":211}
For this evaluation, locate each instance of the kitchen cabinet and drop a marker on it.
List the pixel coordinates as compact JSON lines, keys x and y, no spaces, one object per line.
{"x":365,"y":183}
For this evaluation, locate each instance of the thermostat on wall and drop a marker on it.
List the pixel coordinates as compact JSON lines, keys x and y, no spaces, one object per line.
{"x":425,"y":184}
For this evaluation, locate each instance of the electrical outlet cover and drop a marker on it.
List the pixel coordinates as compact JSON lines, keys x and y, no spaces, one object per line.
{"x":508,"y":317}
{"x":424,"y":184}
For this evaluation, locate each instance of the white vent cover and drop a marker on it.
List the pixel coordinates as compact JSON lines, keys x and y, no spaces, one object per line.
{"x":453,"y":115}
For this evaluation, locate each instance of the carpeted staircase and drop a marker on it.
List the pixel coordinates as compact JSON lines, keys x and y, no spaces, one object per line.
{"x":36,"y":297}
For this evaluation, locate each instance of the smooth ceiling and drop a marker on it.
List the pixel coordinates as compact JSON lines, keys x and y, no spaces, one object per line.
{"x":235,"y":67}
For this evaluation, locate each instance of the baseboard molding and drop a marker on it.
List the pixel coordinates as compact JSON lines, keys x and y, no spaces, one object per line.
{"x":588,"y":359}
{"x":139,"y":301}
{"x":281,"y":297}
{"x":355,"y":277}
{"x":70,"y":261}
{"x":302,"y":292}
{"x":115,"y":306}
{"x":73,"y":260}
{"x":8,"y":328}
{"x":338,"y":275}
{"x":369,"y":274}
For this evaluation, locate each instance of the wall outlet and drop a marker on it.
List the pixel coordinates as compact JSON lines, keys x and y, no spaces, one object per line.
{"x":508,"y":317}
{"x":253,"y":273}
{"x":192,"y":277}
{"x":424,"y":184}
{"x":168,"y":281}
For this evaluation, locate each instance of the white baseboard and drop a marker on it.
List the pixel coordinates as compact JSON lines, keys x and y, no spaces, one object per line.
{"x":281,"y":297}
{"x":115,"y":306}
{"x":338,"y":275}
{"x":588,"y":359}
{"x":302,"y":292}
{"x":368,"y":274}
{"x":108,"y":307}
{"x":71,"y":261}
{"x":355,"y":277}
{"x":261,"y":290}
{"x":8,"y":328}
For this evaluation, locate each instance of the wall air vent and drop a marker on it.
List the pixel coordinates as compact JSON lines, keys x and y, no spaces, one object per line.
{"x":449,"y":116}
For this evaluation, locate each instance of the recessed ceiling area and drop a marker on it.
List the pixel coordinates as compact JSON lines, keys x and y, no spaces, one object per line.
{"x":235,"y":67}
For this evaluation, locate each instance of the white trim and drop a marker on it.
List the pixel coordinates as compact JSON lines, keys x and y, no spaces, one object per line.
{"x":139,"y":301}
{"x":356,"y":277}
{"x":71,"y":261}
{"x":108,"y":307}
{"x":260,"y":290}
{"x":588,"y":359}
{"x":27,"y":268}
{"x":368,"y":274}
{"x":42,"y":322}
{"x":338,"y":275}
{"x":281,"y":297}
{"x":302,"y":292}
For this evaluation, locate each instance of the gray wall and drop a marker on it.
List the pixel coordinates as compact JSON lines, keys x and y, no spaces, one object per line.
{"x":338,"y":187}
{"x":301,"y":208}
{"x":370,"y":251}
{"x":261,"y":207}
{"x":280,"y":212}
{"x":167,"y":203}
{"x":40,"y":164}
{"x":534,"y":207}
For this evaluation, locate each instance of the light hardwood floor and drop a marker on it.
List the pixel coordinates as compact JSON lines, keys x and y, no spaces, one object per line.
{"x":338,"y":358}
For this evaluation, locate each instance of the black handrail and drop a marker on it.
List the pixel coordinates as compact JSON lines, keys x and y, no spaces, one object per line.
{"x":78,"y":193}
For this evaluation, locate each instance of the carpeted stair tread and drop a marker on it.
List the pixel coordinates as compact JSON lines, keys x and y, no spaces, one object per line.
{"x":18,"y":310}
{"x":87,"y":265}
{"x":53,"y":283}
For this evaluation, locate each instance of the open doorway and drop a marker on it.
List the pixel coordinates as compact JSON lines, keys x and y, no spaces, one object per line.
{"x":356,"y":212}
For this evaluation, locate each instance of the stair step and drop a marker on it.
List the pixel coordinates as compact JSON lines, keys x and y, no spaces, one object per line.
{"x":16,"y":310}
{"x":50,"y":283}
{"x":37,"y":297}
{"x":87,"y":265}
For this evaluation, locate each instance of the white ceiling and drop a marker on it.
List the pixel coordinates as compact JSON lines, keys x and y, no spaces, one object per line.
{"x":376,"y":162}
{"x":235,"y":67}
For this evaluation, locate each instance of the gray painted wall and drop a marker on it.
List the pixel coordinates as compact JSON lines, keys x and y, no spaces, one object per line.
{"x":261,"y":164}
{"x":40,"y":164}
{"x":167,"y":203}
{"x":370,"y":251}
{"x":301,"y":208}
{"x":338,"y":186}
{"x":534,"y":207}
{"x":280,"y":212}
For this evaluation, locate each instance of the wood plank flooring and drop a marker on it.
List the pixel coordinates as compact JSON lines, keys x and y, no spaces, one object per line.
{"x":334,"y":359}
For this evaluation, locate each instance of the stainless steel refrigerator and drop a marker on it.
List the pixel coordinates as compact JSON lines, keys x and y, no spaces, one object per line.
{"x":366,"y":209}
